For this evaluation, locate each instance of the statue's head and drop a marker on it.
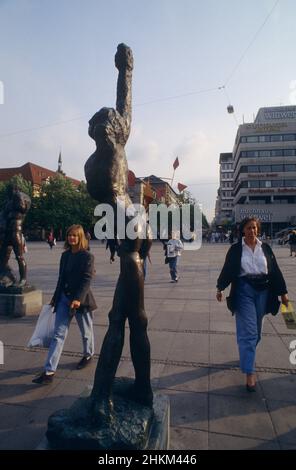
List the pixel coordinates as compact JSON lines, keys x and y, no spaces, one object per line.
{"x":107,"y":125}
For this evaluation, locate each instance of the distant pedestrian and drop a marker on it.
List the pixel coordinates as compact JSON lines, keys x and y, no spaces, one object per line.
{"x":113,"y":245}
{"x":145,"y":264}
{"x":256,"y":282}
{"x":72,"y":297}
{"x":174,"y":249}
{"x":51,"y":240}
{"x":292,"y":242}
{"x":88,"y":238}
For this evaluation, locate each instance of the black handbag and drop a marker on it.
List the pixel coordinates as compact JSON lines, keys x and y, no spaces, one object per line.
{"x":258,"y":283}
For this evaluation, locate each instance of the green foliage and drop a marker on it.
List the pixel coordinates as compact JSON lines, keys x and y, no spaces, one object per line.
{"x":61,"y":204}
{"x":24,"y":186}
{"x":58,"y":205}
{"x":186,"y":198}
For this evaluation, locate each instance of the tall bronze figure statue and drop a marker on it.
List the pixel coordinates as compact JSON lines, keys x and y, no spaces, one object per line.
{"x":12,"y":216}
{"x":106,"y":174}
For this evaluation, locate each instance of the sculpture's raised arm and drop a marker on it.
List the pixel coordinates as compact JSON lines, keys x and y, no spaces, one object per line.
{"x":124,"y":63}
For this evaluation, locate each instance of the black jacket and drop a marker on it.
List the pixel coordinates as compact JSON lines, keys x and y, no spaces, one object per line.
{"x":231,"y":271}
{"x":79,"y":283}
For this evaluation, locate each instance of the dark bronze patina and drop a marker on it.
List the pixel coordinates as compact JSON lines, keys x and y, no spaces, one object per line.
{"x":106,"y":174}
{"x":12,"y":216}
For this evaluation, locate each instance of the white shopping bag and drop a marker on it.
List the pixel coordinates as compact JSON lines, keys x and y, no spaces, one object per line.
{"x":44,"y":329}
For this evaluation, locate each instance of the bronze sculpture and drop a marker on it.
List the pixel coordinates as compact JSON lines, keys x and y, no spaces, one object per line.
{"x":106,"y":174}
{"x":12,"y":216}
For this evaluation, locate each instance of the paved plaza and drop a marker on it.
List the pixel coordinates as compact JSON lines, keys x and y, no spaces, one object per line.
{"x":194,"y":357}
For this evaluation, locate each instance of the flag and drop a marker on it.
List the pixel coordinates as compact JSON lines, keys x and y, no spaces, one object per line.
{"x":181,"y":187}
{"x":176,"y":163}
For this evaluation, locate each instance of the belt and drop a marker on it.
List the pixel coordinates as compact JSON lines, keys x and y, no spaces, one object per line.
{"x":255,"y":276}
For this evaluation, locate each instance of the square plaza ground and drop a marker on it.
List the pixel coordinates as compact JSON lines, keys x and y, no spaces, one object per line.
{"x":194,"y":357}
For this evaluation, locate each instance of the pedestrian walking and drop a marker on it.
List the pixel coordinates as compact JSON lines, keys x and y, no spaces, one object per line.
{"x":256,"y":282}
{"x":72,"y":297}
{"x":51,"y":240}
{"x":147,"y":257}
{"x":88,"y":238}
{"x":174,"y":249}
{"x":292,"y":242}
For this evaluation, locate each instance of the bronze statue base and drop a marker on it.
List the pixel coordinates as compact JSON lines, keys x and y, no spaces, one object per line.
{"x":20,"y":301}
{"x":132,"y":426}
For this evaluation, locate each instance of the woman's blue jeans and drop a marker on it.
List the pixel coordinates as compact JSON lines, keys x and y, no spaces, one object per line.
{"x":173,"y":262}
{"x":61,"y":328}
{"x":250,"y":310}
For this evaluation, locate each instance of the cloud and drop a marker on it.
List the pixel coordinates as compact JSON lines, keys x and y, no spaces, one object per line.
{"x":198,"y":157}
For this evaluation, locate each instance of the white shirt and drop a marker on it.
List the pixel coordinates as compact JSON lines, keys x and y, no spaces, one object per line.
{"x":253,"y":262}
{"x":174,"y":248}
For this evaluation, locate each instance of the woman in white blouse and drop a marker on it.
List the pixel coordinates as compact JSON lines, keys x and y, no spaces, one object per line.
{"x":256,"y":282}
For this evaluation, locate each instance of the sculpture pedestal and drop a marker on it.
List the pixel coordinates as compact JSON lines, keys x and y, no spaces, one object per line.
{"x":133,"y":426}
{"x":20,"y":301}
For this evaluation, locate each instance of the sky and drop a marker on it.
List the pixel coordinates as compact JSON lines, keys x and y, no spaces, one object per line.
{"x":57,"y":69}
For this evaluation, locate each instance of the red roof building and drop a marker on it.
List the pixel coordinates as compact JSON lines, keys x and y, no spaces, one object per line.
{"x":34,"y":173}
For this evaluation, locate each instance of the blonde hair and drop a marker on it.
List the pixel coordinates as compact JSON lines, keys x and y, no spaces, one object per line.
{"x":83,"y":242}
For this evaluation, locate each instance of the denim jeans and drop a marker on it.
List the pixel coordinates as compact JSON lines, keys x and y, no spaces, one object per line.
{"x":61,"y":328}
{"x":173,"y":262}
{"x":249,"y":313}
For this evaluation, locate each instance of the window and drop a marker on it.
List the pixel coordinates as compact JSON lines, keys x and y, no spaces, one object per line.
{"x":264,"y":153}
{"x":252,"y":153}
{"x":277,"y":184}
{"x":243,"y":140}
{"x":276,"y":168}
{"x":288,"y":137}
{"x":276,"y":138}
{"x":280,"y":200}
{"x":264,"y":138}
{"x":290,"y":167}
{"x":290,"y":183}
{"x":253,"y":184}
{"x":265,"y":184}
{"x":277,"y":153}
{"x":253,"y":169}
{"x":289,"y":152}
{"x":252,"y":139}
{"x":265,"y":168}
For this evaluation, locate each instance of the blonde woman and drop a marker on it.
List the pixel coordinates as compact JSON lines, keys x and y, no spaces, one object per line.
{"x":72,"y":297}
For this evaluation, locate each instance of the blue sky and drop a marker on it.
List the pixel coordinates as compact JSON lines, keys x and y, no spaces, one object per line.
{"x":57,"y":66}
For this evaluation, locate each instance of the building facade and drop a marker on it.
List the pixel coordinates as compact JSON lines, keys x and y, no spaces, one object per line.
{"x":264,"y":169}
{"x":224,"y":201}
{"x":163,"y":191}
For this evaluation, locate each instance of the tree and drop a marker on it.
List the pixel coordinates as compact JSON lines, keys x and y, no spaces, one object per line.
{"x":186,"y":198}
{"x":61,"y":204}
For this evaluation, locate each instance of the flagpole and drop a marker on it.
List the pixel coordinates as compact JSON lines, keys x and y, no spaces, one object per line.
{"x":173,"y":177}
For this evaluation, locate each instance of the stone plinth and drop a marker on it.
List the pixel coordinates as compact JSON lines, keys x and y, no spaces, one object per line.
{"x":20,"y":301}
{"x":133,"y":426}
